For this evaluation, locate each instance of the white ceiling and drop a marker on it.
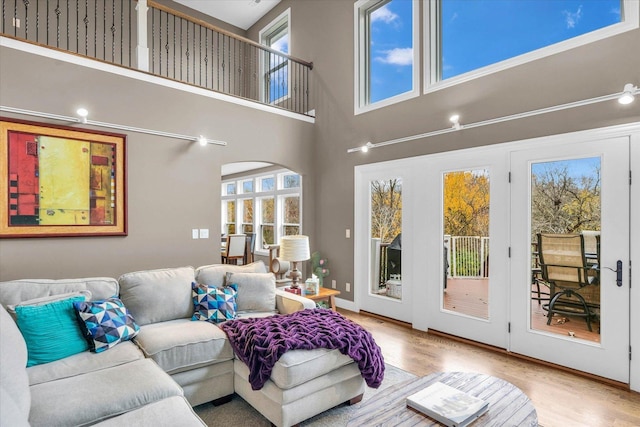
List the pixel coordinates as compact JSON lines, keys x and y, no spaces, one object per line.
{"x":241,"y":13}
{"x":231,"y":168}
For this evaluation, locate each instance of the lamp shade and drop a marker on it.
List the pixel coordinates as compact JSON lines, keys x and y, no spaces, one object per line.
{"x":294,"y":248}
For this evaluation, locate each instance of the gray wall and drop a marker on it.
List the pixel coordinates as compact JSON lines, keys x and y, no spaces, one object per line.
{"x":322,"y":32}
{"x":173,"y":185}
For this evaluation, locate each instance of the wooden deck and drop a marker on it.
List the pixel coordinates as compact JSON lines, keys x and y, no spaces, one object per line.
{"x":471,"y":297}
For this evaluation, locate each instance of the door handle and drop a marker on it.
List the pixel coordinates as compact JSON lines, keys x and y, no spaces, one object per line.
{"x":618,"y":272}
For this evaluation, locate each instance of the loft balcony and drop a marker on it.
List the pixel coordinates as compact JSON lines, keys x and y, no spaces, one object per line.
{"x":152,"y":38}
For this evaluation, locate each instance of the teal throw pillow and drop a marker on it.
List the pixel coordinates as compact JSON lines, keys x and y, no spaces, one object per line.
{"x":51,"y":330}
{"x":213,"y":304}
{"x":105,"y":323}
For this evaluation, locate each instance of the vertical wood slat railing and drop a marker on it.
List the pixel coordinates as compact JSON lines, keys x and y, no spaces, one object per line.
{"x":180,"y":48}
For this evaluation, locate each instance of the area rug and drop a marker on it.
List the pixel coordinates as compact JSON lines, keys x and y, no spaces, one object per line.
{"x":240,"y":413}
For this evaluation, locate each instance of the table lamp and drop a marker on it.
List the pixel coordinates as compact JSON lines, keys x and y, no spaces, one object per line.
{"x":295,"y":249}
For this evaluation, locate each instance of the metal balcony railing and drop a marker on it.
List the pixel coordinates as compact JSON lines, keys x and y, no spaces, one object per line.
{"x":151,"y":37}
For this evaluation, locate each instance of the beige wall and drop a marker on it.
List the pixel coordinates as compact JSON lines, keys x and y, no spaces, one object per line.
{"x":173,"y":185}
{"x":322,"y":32}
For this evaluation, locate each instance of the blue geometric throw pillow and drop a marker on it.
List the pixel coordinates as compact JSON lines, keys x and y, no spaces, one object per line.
{"x":213,"y":304}
{"x":105,"y":323}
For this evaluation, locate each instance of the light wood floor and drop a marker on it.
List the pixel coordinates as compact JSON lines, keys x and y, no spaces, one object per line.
{"x":561,"y":398}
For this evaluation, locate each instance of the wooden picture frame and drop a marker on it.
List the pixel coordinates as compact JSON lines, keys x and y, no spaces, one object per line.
{"x":61,"y":181}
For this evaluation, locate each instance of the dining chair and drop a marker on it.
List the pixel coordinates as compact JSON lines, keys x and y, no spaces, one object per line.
{"x":249,"y":248}
{"x":573,"y":288}
{"x":234,"y":249}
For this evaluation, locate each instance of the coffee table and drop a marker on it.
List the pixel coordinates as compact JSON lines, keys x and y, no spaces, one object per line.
{"x":508,"y":405}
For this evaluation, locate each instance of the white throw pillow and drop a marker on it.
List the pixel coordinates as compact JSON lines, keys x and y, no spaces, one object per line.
{"x":256,"y":291}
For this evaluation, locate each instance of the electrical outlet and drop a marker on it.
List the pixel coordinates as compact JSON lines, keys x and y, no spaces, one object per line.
{"x":204,"y":233}
{"x":348,"y":287}
{"x":347,"y":234}
{"x":16,"y":22}
{"x":333,"y":284}
{"x":195,"y":233}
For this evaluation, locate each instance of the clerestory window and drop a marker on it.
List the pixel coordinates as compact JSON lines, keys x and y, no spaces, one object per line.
{"x":466,"y":39}
{"x":387,"y":52}
{"x":275,"y":66}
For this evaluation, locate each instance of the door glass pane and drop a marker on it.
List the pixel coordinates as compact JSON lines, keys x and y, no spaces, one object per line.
{"x":466,"y":242}
{"x":386,"y":238}
{"x":565,"y":247}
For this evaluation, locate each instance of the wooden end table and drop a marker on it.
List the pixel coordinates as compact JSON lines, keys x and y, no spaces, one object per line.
{"x":508,"y":405}
{"x":325,"y":294}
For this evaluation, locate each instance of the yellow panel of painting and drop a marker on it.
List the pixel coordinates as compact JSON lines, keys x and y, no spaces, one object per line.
{"x":64,"y":217}
{"x":64,"y":181}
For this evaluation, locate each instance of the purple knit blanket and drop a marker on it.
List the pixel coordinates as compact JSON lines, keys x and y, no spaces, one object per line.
{"x":259,"y":342}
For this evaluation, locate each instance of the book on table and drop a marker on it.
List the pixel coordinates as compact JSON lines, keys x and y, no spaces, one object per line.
{"x":448,"y":405}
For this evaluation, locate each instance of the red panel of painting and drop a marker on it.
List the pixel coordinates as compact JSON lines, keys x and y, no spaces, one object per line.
{"x":99,"y":160}
{"x":23,"y":161}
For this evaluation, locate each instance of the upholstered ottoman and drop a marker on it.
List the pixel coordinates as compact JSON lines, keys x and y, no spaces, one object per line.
{"x":292,"y":367}
{"x":303,"y":383}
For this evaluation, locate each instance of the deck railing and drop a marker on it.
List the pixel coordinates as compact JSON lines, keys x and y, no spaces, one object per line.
{"x":150,"y":37}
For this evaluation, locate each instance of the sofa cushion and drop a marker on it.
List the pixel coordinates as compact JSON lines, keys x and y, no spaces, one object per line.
{"x":172,"y":411}
{"x":15,"y":398}
{"x":98,"y":395}
{"x":158,"y":295}
{"x":83,"y":363}
{"x":256,"y":291}
{"x":105,"y":323}
{"x":213,"y":304}
{"x":299,"y":366}
{"x":215,"y":274}
{"x":16,"y":291}
{"x":179,"y":345}
{"x":50,"y":330}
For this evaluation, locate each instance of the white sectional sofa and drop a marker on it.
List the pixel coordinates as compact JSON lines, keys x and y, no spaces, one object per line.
{"x":172,"y":364}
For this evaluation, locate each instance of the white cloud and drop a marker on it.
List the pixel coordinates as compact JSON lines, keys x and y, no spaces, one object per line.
{"x":383,"y":14}
{"x":572,"y":18}
{"x":397,"y":56}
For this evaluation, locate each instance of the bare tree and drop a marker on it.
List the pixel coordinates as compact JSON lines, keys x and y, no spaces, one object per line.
{"x":386,"y":209}
{"x":561,"y":203}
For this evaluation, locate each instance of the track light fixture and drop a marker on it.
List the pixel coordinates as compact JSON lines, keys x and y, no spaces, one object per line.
{"x":625,"y":97}
{"x":455,"y":119}
{"x":628,"y":94}
{"x":83,"y":113}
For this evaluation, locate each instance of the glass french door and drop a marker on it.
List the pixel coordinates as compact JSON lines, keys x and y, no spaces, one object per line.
{"x":570,"y":255}
{"x":382,"y":283}
{"x":465,"y":194}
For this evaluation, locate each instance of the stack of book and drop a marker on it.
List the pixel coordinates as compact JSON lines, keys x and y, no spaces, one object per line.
{"x":448,"y":405}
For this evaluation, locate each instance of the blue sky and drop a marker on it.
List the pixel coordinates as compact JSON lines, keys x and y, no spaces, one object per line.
{"x":476,"y":33}
{"x":576,"y":168}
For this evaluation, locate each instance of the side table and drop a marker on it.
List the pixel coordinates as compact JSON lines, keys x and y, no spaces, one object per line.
{"x":325,"y":294}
